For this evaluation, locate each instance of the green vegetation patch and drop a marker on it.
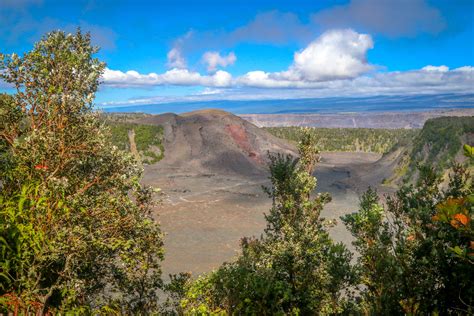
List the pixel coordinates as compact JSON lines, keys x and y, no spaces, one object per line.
{"x":440,"y":140}
{"x":348,"y":139}
{"x":148,"y":139}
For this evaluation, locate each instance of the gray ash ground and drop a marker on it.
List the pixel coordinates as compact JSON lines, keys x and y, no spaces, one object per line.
{"x":204,"y":215}
{"x":214,"y":166}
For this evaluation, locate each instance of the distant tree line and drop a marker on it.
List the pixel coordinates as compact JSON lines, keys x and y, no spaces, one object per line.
{"x":77,"y":236}
{"x":374,"y":140}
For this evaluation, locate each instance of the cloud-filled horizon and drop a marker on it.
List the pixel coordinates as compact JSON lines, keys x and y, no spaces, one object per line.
{"x":335,"y":64}
{"x":261,"y":51}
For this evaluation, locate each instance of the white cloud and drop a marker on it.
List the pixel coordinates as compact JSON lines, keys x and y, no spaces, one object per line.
{"x":210,"y":91}
{"x":261,"y":79}
{"x":214,"y":59}
{"x":335,"y":64}
{"x":429,"y":79}
{"x":221,"y":79}
{"x":465,"y":69}
{"x":336,"y":54}
{"x":441,"y":68}
{"x":176,"y":59}
{"x":421,"y":81}
{"x":175,"y":76}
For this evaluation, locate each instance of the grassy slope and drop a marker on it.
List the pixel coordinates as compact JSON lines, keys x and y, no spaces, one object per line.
{"x":438,"y":144}
{"x":440,"y":141}
{"x":148,"y":139}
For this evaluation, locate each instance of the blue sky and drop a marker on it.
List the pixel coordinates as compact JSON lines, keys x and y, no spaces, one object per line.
{"x":162,"y":51}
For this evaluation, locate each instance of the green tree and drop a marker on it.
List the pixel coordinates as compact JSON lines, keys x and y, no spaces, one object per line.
{"x":294,"y":268}
{"x":93,"y":243}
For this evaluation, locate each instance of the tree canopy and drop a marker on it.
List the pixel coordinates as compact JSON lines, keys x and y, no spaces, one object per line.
{"x":75,"y":231}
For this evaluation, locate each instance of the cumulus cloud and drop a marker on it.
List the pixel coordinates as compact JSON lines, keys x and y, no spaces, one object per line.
{"x":467,"y":69}
{"x":391,"y":18}
{"x":334,"y":64}
{"x":272,"y":27}
{"x":175,"y":76}
{"x":336,"y":54}
{"x":214,"y":60}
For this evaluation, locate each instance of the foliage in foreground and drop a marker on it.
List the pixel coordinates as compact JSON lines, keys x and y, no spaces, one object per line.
{"x":76,"y":234}
{"x":374,"y":140}
{"x":417,"y":252}
{"x":75,"y":226}
{"x":295,"y":267}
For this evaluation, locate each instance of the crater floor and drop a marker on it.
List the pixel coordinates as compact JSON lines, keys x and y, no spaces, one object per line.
{"x":204,"y":216}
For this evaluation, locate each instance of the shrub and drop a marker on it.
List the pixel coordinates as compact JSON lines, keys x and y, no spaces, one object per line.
{"x":416,"y":254}
{"x":295,"y":267}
